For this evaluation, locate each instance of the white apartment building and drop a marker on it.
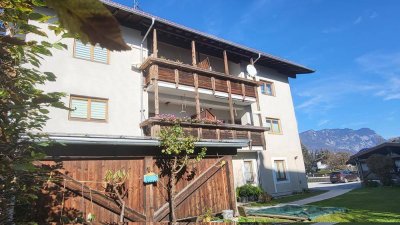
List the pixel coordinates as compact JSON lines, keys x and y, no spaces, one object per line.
{"x":184,"y":73}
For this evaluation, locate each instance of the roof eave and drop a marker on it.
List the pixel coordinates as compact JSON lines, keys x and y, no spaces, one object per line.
{"x":299,"y":69}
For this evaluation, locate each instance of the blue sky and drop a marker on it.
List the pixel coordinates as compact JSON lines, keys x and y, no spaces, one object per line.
{"x":353,"y":45}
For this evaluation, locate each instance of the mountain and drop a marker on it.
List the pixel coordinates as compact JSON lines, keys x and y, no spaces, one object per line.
{"x":341,"y":139}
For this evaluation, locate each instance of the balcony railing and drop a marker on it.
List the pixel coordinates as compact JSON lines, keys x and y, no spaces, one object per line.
{"x":183,"y":74}
{"x":208,"y":130}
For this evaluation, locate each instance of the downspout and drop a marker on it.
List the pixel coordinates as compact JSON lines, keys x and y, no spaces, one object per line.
{"x":141,"y":77}
{"x":259,"y":56}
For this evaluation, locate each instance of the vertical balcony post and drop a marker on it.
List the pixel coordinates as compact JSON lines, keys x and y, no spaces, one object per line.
{"x":226,"y":67}
{"x":155,"y":46}
{"x":154,"y":75}
{"x":194,"y":59}
{"x":259,"y":110}
{"x":231,"y":112}
{"x":197,"y":99}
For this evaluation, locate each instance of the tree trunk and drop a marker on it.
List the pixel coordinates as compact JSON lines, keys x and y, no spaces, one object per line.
{"x":121,"y":216}
{"x":172,"y":194}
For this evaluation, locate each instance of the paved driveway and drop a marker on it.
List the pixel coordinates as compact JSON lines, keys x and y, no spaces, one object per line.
{"x":328,"y":186}
{"x":333,"y":191}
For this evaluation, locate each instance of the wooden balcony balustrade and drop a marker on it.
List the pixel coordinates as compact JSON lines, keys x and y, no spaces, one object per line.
{"x":198,"y":75}
{"x":183,"y":74}
{"x":205,"y":131}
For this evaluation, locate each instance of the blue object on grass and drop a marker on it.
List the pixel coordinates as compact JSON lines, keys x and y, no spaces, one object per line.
{"x":302,"y":211}
{"x":150,"y":178}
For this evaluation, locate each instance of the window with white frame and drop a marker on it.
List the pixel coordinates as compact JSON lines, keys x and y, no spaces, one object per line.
{"x":280,"y":170}
{"x":248,"y":171}
{"x":274,"y":125}
{"x":88,"y":109}
{"x":90,"y":52}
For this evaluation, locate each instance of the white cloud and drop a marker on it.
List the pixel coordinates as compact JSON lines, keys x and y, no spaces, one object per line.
{"x":323,"y":94}
{"x":373,"y":15}
{"x":387,"y":67}
{"x":358,"y":20}
{"x":322,"y":122}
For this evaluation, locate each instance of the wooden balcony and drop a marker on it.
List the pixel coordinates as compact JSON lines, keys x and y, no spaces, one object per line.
{"x":184,"y":74}
{"x":208,"y":131}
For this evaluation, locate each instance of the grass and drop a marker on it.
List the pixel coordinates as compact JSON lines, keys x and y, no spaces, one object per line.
{"x":290,"y":198}
{"x":366,"y":205}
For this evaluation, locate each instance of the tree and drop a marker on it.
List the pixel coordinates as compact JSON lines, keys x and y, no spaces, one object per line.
{"x":116,"y":188}
{"x":308,"y":159}
{"x":179,"y":158}
{"x":311,"y":158}
{"x":23,"y":106}
{"x":381,"y":166}
{"x":337,"y":160}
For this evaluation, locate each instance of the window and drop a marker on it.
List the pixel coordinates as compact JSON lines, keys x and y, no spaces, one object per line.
{"x":88,"y":109}
{"x":267,"y":88}
{"x":280,"y":170}
{"x":274,"y":125}
{"x":248,"y":171}
{"x":90,"y":52}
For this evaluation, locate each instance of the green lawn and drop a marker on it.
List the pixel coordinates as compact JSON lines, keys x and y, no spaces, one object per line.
{"x":289,"y":198}
{"x":371,"y":205}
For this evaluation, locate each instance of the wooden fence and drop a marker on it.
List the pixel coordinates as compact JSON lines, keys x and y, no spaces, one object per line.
{"x":84,"y":193}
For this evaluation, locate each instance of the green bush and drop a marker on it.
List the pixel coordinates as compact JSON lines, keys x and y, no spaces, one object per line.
{"x":248,"y":190}
{"x":381,"y":166}
{"x":371,"y":183}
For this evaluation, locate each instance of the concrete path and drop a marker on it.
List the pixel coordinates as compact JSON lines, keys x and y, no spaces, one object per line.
{"x":322,"y":223}
{"x":333,"y":191}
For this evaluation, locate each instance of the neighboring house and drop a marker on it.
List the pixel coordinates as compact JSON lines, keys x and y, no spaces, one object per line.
{"x":321,"y":165}
{"x":391,"y":149}
{"x":121,"y":100}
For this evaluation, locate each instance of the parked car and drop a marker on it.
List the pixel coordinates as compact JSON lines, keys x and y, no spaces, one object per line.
{"x":343,"y":176}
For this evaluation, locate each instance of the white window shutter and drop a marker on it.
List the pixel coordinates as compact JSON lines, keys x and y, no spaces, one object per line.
{"x":98,"y":110}
{"x":80,"y":108}
{"x":82,"y":51}
{"x":100,"y":54}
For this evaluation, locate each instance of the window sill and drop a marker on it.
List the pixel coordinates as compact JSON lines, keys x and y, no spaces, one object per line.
{"x":88,"y":120}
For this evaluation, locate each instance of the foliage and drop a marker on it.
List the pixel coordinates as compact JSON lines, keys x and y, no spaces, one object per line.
{"x":337,"y":160}
{"x":174,"y":119}
{"x":207,"y":215}
{"x":311,"y":158}
{"x":366,"y":205}
{"x":249,"y":190}
{"x":265,"y":197}
{"x":91,"y":20}
{"x":371,"y":183}
{"x":116,"y":188}
{"x":308,"y":160}
{"x":179,"y":158}
{"x":23,"y":106}
{"x":381,"y":166}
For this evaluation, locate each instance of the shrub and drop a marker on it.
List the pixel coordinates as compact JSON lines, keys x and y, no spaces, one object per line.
{"x":264,"y":197}
{"x":381,"y":166}
{"x":371,"y":183}
{"x":248,"y":190}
